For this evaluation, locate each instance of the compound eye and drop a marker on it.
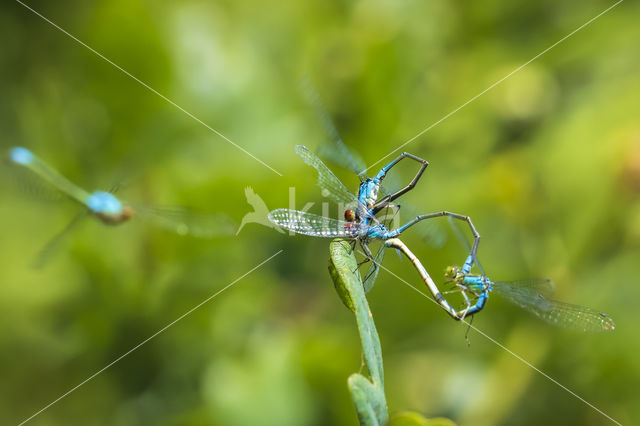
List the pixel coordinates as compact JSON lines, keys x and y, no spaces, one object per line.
{"x":451,"y":272}
{"x":349,"y":215}
{"x":127,"y":212}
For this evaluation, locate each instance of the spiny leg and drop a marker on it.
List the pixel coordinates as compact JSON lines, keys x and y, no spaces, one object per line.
{"x":353,"y":245}
{"x":374,"y":269}
{"x":367,"y":253}
{"x":386,"y":217}
{"x":467,"y":302}
{"x":463,"y":291}
{"x":481,"y":297}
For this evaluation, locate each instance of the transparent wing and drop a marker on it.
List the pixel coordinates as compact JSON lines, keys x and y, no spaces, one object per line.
{"x":313,"y":224}
{"x":337,"y":152}
{"x":54,"y":244}
{"x":528,"y":288}
{"x":26,"y":182}
{"x":374,"y":269}
{"x":526,"y":295}
{"x":521,"y":294}
{"x":431,"y":231}
{"x":184,"y":222}
{"x":330,"y":184}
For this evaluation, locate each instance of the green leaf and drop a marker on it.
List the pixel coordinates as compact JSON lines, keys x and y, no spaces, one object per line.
{"x":368,"y":395}
{"x":341,"y":269}
{"x":369,"y":400}
{"x":411,"y":418}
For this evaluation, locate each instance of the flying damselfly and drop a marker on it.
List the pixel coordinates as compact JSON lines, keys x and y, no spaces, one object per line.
{"x":110,"y":210}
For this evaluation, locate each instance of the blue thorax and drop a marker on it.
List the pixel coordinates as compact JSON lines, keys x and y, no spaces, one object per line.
{"x":104,"y":203}
{"x":368,"y":195}
{"x":377,"y":231}
{"x":475,"y":282}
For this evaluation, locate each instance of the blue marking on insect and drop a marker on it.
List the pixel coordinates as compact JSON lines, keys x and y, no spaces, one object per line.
{"x":476,"y":282}
{"x":21,"y":155}
{"x":468,"y":264}
{"x":479,"y":285}
{"x":104,"y":203}
{"x":362,"y":225}
{"x":368,"y":192}
{"x":532,"y":295}
{"x":377,"y":231}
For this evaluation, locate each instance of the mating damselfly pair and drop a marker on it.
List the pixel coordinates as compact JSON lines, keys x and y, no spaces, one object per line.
{"x":111,"y":210}
{"x":362,"y":225}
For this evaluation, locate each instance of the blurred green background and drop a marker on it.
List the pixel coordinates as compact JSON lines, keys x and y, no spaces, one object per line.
{"x":547,"y":164}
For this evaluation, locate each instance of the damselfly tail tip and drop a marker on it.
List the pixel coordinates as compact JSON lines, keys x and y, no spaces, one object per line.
{"x":20,"y":155}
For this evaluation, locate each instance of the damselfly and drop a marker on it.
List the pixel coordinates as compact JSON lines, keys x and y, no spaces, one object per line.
{"x":360,"y":222}
{"x":110,"y":210}
{"x":337,"y":152}
{"x":532,"y":295}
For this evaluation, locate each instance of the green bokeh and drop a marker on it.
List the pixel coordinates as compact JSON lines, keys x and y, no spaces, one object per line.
{"x":547,"y":163}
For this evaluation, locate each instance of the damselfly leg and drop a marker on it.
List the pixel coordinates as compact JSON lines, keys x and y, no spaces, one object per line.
{"x":381,"y":175}
{"x":476,"y":236}
{"x":367,"y":253}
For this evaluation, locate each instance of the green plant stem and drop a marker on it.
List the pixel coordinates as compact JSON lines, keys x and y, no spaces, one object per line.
{"x":367,"y":394}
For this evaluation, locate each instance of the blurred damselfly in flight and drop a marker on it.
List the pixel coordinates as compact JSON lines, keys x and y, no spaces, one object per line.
{"x":110,"y":210}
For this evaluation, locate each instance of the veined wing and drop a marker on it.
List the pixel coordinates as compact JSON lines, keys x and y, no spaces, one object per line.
{"x":527,"y":288}
{"x":573,"y":317}
{"x":184,"y":222}
{"x":524,"y":293}
{"x":330,"y":184}
{"x":431,"y":231}
{"x":337,"y":152}
{"x":23,"y":157}
{"x":313,"y":224}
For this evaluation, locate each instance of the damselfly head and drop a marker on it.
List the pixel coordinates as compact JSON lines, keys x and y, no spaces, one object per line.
{"x":349,"y":215}
{"x":127,"y":213}
{"x":451,"y":273}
